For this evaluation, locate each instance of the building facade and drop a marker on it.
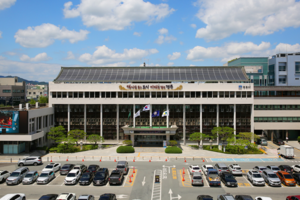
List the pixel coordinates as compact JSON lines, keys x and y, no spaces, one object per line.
{"x":36,"y":91}
{"x":12,"y":92}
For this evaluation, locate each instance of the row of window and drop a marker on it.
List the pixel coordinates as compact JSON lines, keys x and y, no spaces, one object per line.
{"x":282,"y":67}
{"x":277,"y":107}
{"x":276,"y":119}
{"x":169,"y":94}
{"x":14,"y":91}
{"x":35,"y":92}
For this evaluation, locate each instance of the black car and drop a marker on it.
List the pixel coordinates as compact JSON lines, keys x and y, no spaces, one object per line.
{"x":66,"y":169}
{"x":101,"y":177}
{"x":49,"y":197}
{"x":278,"y":141}
{"x":204,"y":197}
{"x":296,"y":176}
{"x":86,"y":178}
{"x":286,"y":168}
{"x":243,"y":197}
{"x":93,"y":168}
{"x":228,"y":179}
{"x":108,"y":196}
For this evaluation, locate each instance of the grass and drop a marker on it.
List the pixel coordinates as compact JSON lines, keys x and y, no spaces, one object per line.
{"x":230,"y":150}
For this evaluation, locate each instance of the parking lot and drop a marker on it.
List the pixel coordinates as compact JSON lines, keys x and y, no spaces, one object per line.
{"x":174,"y":182}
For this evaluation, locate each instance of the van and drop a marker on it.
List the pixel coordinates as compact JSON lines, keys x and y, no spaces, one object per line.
{"x":17,"y":176}
{"x":123,"y":166}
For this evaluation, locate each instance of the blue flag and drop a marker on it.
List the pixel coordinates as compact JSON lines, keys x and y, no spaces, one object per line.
{"x":155,"y":113}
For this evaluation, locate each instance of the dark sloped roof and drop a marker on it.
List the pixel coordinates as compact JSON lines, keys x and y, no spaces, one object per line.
{"x":150,"y":74}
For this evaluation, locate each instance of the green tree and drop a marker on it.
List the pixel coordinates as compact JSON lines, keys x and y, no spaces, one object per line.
{"x":173,"y":143}
{"x":95,"y":138}
{"x":32,"y":102}
{"x":127,"y":142}
{"x":43,"y":99}
{"x":248,"y":136}
{"x":56,"y":134}
{"x":76,"y":135}
{"x":223,"y":132}
{"x":239,"y":143}
{"x":197,"y":137}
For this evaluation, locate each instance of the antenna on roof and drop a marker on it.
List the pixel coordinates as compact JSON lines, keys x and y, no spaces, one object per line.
{"x":144,"y":64}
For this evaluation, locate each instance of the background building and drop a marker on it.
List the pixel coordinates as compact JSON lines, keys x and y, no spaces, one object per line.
{"x":35,"y":91}
{"x":12,"y":92}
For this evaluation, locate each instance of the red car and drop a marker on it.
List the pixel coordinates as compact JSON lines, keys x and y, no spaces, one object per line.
{"x":297,"y":197}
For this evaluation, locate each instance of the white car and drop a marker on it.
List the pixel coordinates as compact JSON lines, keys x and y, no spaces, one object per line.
{"x":255,"y":178}
{"x":206,"y":167}
{"x":73,"y":177}
{"x":235,"y":169}
{"x":263,"y":198}
{"x":17,"y":196}
{"x":194,"y":168}
{"x":66,"y":196}
{"x":296,"y":168}
{"x":52,"y":167}
{"x":4,"y":175}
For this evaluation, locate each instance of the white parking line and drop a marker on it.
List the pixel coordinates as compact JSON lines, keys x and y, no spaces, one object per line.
{"x":204,"y":177}
{"x":245,"y":177}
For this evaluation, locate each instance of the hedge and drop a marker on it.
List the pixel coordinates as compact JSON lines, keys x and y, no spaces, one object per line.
{"x":125,"y":149}
{"x":173,"y":150}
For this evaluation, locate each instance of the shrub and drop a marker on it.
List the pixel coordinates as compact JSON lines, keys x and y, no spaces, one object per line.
{"x":194,"y":146}
{"x":127,"y":142}
{"x":173,"y":150}
{"x":173,"y":142}
{"x":53,"y":149}
{"x":298,"y":138}
{"x":125,"y":149}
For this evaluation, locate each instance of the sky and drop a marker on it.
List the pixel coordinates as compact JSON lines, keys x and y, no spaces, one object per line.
{"x":37,"y":37}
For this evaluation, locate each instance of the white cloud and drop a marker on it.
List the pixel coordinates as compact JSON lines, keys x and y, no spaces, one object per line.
{"x":116,"y":14}
{"x":0,"y":34}
{"x":37,"y":58}
{"x":163,"y":31}
{"x":252,"y":17}
{"x":174,"y":56}
{"x":164,"y":37}
{"x":193,"y":25}
{"x":70,"y":56}
{"x":170,"y":64}
{"x":104,"y":55}
{"x":2,"y":57}
{"x":137,"y":34}
{"x":45,"y":35}
{"x":181,"y":43}
{"x":6,"y":4}
{"x":10,"y":53}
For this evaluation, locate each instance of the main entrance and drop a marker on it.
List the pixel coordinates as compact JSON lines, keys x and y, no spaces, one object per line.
{"x":149,"y":140}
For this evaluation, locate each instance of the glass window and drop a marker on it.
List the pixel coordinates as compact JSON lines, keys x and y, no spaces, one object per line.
{"x":290,"y":119}
{"x":59,"y":94}
{"x":153,"y":94}
{"x":113,"y":94}
{"x":249,"y":94}
{"x":136,"y":94}
{"x":215,"y":94}
{"x":6,"y":91}
{"x":243,"y":94}
{"x":142,"y":94}
{"x":107,"y":94}
{"x":231,"y":94}
{"x":275,"y":119}
{"x":193,"y":94}
{"x":297,"y":67}
{"x":221,"y":94}
{"x":125,"y":94}
{"x":147,"y":94}
{"x":282,"y":66}
{"x":238,"y":94}
{"x":158,"y":94}
{"x":198,"y":94}
{"x":226,"y":94}
{"x":130,"y":94}
{"x":279,"y":119}
{"x":92,"y":94}
{"x":175,"y":94}
{"x":97,"y":94}
{"x":164,"y":94}
{"x":284,"y":119}
{"x":282,"y":79}
{"x":204,"y":94}
{"x":209,"y":94}
{"x":86,"y":94}
{"x":53,"y":94}
{"x":180,"y":94}
{"x":187,"y":94}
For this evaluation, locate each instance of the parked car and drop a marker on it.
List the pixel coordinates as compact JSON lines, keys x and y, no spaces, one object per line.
{"x":296,"y":176}
{"x":235,"y":169}
{"x":262,"y":142}
{"x":72,"y":177}
{"x":197,"y":178}
{"x":296,"y":168}
{"x":4,"y":175}
{"x":123,"y":166}
{"x":243,"y":197}
{"x":108,"y":196}
{"x":213,"y":177}
{"x":286,"y":178}
{"x":278,"y":141}
{"x":228,"y":179}
{"x":82,"y":168}
{"x":86,"y":197}
{"x":52,"y":167}
{"x":286,"y":168}
{"x":273,"y":168}
{"x":45,"y":177}
{"x":16,"y":196}
{"x":101,"y":177}
{"x":93,"y":168}
{"x":255,"y":178}
{"x":296,"y":197}
{"x":221,"y":167}
{"x":32,"y":160}
{"x":194,"y":168}
{"x":49,"y":197}
{"x":17,"y":176}
{"x":206,"y":167}
{"x":204,"y":197}
{"x":271,"y":178}
{"x":66,"y":169}
{"x":30,"y":177}
{"x":86,"y":178}
{"x":66,"y":196}
{"x":116,"y":177}
{"x":263,"y":198}
{"x":260,"y":169}
{"x":225,"y":197}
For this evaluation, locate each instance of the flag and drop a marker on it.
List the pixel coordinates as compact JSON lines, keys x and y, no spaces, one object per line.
{"x":155,"y":113}
{"x":147,"y":107}
{"x":138,"y":113}
{"x":129,"y":115}
{"x":165,"y":113}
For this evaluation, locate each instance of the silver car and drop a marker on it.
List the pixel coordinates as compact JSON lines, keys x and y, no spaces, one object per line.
{"x":271,"y":178}
{"x":17,"y":176}
{"x":255,"y":178}
{"x":221,"y":167}
{"x":123,"y":166}
{"x":197,"y":178}
{"x":86,"y":197}
{"x":32,"y":160}
{"x":30,"y":177}
{"x":45,"y":177}
{"x":273,"y":168}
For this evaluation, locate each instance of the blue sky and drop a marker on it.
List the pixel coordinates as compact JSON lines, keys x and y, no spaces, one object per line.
{"x":37,"y":37}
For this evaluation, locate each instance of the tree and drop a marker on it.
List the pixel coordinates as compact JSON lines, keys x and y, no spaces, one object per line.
{"x":248,"y":136}
{"x":173,"y":143}
{"x":43,"y":99}
{"x":95,"y":138}
{"x":197,"y":137}
{"x":56,"y":134}
{"x":32,"y":102}
{"x":223,"y":132}
{"x":76,"y":135}
{"x":127,"y":142}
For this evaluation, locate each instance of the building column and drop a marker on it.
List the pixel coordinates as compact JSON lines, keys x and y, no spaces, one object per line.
{"x":272,"y":135}
{"x":118,"y":123}
{"x":168,"y":138}
{"x":133,"y":115}
{"x":201,"y":142}
{"x":68,"y":118}
{"x":150,"y":115}
{"x":234,"y":121}
{"x":252,"y":123}
{"x":168,"y":116}
{"x":132,"y":139}
{"x":218,"y":139}
{"x":84,"y":108}
{"x":101,"y":120}
{"x":184,"y":136}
